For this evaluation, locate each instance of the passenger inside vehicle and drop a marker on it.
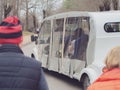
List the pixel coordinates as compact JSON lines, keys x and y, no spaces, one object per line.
{"x":69,"y":47}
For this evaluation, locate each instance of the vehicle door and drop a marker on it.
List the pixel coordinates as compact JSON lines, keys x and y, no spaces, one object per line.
{"x":56,"y":44}
{"x":44,"y":43}
{"x":75,"y":45}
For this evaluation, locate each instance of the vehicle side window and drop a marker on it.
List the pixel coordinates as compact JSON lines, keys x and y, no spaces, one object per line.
{"x":112,"y":27}
{"x":57,"y":35}
{"x":76,"y":37}
{"x":44,"y":37}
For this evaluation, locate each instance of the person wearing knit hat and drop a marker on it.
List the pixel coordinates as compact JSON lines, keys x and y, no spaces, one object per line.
{"x":17,"y":71}
{"x":11,"y":31}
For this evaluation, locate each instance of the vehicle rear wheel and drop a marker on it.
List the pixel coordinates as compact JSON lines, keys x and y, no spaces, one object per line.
{"x":86,"y":82}
{"x":32,"y":56}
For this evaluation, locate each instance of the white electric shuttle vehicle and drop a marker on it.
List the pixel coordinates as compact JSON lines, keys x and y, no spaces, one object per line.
{"x":75,"y":43}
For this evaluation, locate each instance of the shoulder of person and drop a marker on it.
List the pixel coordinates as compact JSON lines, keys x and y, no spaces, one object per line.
{"x":32,"y":60}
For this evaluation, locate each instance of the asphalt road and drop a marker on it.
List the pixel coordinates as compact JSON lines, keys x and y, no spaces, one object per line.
{"x":60,"y":82}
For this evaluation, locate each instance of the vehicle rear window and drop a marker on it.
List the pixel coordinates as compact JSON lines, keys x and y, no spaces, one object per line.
{"x":112,"y":27}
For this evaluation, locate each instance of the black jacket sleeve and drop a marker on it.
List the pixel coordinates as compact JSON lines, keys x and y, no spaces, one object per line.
{"x":42,"y":82}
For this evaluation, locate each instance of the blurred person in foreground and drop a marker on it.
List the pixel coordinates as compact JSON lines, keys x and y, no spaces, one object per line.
{"x":17,"y":72}
{"x":110,"y":79}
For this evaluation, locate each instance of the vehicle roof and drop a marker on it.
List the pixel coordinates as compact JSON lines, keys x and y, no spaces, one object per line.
{"x":98,"y":18}
{"x":81,"y":13}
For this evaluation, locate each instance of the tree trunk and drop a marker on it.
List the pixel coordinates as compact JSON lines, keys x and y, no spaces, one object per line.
{"x":27,"y":15}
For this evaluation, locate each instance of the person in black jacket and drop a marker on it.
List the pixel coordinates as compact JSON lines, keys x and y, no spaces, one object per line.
{"x":17,"y":72}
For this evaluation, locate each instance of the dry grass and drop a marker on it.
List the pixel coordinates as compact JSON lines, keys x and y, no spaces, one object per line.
{"x":26,"y":33}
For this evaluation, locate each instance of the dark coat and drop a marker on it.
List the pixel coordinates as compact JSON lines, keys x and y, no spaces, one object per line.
{"x":18,"y":72}
{"x":80,"y":47}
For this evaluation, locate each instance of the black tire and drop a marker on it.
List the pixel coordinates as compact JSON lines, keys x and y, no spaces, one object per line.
{"x":32,"y":56}
{"x":86,"y":82}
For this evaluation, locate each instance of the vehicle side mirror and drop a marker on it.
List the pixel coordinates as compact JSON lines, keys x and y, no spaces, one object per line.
{"x":33,"y":38}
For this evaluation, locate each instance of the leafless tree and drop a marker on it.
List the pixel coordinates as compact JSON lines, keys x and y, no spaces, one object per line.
{"x":27,"y":6}
{"x":81,"y":5}
{"x":105,"y":6}
{"x":35,"y":19}
{"x":16,"y":7}
{"x":7,"y":7}
{"x":115,"y":4}
{"x":1,"y":10}
{"x":47,"y":7}
{"x":89,"y":5}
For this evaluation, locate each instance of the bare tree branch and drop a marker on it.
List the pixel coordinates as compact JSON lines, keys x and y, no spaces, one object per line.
{"x":115,"y":4}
